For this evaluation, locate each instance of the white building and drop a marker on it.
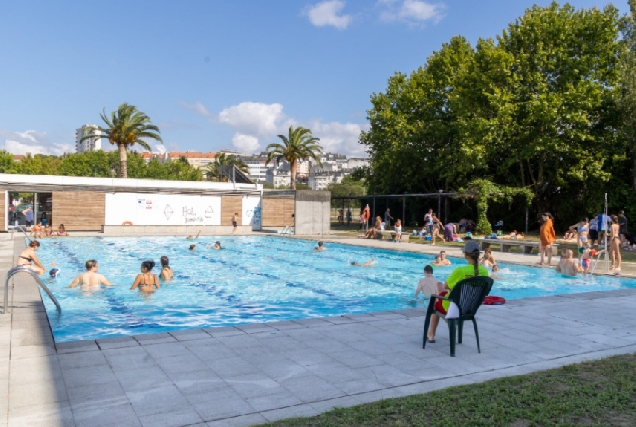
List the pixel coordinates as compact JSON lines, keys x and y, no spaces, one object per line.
{"x":356,"y":162}
{"x":90,"y":144}
{"x":278,"y":177}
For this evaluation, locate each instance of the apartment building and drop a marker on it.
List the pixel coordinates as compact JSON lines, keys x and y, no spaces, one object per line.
{"x":90,"y":144}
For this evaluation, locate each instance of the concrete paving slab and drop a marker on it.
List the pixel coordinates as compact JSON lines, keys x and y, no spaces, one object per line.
{"x":253,"y":373}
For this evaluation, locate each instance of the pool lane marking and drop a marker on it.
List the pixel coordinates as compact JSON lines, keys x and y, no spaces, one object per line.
{"x":116,"y":304}
{"x":325,"y":270}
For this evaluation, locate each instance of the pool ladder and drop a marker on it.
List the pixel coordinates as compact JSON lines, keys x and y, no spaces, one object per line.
{"x":288,"y":230}
{"x":25,"y":269}
{"x":598,"y":258}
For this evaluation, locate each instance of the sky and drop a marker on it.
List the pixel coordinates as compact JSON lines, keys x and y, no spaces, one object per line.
{"x":216,"y":74}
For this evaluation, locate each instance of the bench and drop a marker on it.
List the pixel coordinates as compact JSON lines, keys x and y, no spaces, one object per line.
{"x":390,"y":235}
{"x":505,"y":245}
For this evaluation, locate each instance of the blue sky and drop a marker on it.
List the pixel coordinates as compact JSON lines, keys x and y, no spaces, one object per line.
{"x":219,"y":74}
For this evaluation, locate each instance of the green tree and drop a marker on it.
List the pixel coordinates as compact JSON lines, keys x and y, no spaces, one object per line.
{"x":540,"y":102}
{"x":90,"y":163}
{"x":413,"y":140}
{"x":7,"y":164}
{"x":346,"y":188}
{"x":485,"y":192}
{"x":627,"y":87}
{"x":299,"y":144}
{"x":126,"y":127}
{"x":212,"y":172}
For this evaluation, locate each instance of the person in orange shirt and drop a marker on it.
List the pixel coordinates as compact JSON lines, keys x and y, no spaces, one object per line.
{"x":547,"y":237}
{"x":366,"y":214}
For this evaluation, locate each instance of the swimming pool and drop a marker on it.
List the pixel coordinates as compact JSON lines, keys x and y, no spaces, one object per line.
{"x":254,"y":279}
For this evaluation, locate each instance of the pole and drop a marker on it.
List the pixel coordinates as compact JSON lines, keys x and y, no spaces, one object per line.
{"x":403,"y":211}
{"x":526,"y":221}
{"x":446,"y":210}
{"x":373,"y":216}
{"x":605,"y":236}
{"x":439,"y":205}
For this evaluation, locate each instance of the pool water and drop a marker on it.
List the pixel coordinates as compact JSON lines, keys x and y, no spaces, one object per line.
{"x":253,"y":279}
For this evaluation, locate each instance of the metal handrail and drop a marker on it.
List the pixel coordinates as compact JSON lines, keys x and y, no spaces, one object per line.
{"x":26,"y":269}
{"x":598,"y":258}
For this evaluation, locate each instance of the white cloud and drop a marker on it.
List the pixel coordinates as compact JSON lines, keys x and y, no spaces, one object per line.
{"x":255,"y":118}
{"x":198,"y":108}
{"x":328,"y":13}
{"x":34,"y":142}
{"x":339,"y":137}
{"x":255,"y":122}
{"x":245,"y":143}
{"x":411,"y":11}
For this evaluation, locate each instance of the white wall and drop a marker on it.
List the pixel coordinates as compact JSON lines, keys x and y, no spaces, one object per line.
{"x":252,"y":212}
{"x":162,"y":209}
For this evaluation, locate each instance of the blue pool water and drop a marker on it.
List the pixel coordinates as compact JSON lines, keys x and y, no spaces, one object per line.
{"x":255,"y":279}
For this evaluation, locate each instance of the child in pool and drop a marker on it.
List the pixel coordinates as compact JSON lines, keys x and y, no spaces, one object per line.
{"x":429,"y":285}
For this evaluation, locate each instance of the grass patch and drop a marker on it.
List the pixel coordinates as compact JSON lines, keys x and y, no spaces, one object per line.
{"x":597,"y":393}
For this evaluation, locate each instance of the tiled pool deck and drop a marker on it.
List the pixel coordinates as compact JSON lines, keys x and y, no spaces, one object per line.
{"x":253,"y":374}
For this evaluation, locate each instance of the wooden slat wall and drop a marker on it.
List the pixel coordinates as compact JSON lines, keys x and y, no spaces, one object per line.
{"x":229,"y":206}
{"x":3,"y":211}
{"x":277,"y":212}
{"x":79,"y":210}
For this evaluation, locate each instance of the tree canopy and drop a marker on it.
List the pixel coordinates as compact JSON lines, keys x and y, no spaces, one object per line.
{"x":126,"y":127}
{"x":298,"y":144}
{"x":535,"y":108}
{"x":99,"y":164}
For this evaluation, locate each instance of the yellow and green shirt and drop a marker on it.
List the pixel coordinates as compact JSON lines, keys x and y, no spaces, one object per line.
{"x":459,"y":274}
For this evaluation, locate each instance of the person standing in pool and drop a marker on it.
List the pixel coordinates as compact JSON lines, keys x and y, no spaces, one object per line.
{"x":166,"y":271}
{"x":216,"y":247}
{"x":91,"y":280}
{"x":146,"y":281}
{"x":471,"y":253}
{"x":567,"y":266}
{"x":429,"y":285}
{"x":320,"y":247}
{"x":235,"y":219}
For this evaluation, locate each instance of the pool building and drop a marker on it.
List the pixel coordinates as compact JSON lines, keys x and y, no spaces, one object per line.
{"x":156,"y":207}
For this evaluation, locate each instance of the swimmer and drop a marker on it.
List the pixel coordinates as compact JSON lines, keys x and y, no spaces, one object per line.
{"x":216,"y":247}
{"x":320,"y":247}
{"x":366,"y":264}
{"x":487,"y":260}
{"x":495,"y":270}
{"x":437,"y":262}
{"x":193,"y":247}
{"x":55,"y":271}
{"x":166,"y":271}
{"x":28,"y":258}
{"x":429,"y":285}
{"x":442,"y":258}
{"x":193,"y":237}
{"x":146,"y":281}
{"x":91,"y":280}
{"x":567,"y":266}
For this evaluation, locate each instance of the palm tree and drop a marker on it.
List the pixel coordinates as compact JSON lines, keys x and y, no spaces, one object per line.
{"x":212,"y":169}
{"x":125,"y":128}
{"x":300,"y":144}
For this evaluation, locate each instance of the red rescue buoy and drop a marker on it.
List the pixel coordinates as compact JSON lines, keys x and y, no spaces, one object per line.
{"x":493,"y":300}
